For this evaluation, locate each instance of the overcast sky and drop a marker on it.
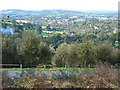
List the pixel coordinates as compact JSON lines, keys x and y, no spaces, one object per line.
{"x":59,"y":4}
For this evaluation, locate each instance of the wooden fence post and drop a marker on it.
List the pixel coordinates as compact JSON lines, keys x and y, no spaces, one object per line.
{"x":20,"y":65}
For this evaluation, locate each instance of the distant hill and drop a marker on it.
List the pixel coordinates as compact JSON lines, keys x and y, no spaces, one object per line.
{"x":15,"y":10}
{"x":60,"y":11}
{"x":18,"y":12}
{"x":52,"y":14}
{"x":42,"y":11}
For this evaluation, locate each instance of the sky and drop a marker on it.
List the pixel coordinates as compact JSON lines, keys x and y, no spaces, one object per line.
{"x":59,"y":4}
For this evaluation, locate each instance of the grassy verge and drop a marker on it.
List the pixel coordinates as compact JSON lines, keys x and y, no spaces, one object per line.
{"x":45,"y":69}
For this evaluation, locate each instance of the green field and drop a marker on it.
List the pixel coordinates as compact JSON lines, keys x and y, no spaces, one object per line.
{"x":50,"y":33}
{"x":53,"y":32}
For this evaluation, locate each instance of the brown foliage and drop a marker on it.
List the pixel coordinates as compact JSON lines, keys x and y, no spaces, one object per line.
{"x":104,"y":77}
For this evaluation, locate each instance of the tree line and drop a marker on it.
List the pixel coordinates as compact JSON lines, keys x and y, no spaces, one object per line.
{"x":32,"y":50}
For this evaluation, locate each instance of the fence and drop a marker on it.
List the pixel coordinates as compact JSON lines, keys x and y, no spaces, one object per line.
{"x":11,"y":65}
